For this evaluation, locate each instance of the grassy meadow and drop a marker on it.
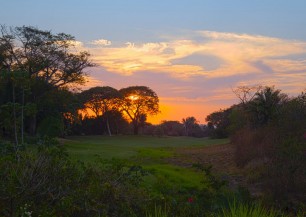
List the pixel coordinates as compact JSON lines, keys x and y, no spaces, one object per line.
{"x":147,"y":151}
{"x":87,"y":148}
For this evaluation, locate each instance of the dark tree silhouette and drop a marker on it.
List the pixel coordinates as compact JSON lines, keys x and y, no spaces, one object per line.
{"x":136,"y":102}
{"x":47,"y":61}
{"x":101,"y":100}
{"x":266,"y":105}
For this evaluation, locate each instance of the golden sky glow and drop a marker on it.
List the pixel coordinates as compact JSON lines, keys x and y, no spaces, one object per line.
{"x":178,"y":111}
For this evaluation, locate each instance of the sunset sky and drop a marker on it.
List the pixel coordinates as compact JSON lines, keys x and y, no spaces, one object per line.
{"x":192,"y":53}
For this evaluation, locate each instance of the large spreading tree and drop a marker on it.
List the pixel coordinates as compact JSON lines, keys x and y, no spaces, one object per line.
{"x":137,"y":103}
{"x":101,"y":100}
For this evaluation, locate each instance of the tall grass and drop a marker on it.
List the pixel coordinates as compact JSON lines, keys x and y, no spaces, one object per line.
{"x":158,"y":212}
{"x":249,"y":210}
{"x":235,"y":210}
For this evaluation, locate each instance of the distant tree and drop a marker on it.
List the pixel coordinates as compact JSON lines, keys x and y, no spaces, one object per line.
{"x":218,"y":123}
{"x":190,"y":125}
{"x":101,"y":100}
{"x":292,"y":117}
{"x":137,"y":102}
{"x":266,"y":105}
{"x":172,"y":128}
{"x":246,"y":93}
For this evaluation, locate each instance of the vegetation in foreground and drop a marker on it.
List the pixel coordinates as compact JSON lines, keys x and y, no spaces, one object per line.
{"x":44,"y":180}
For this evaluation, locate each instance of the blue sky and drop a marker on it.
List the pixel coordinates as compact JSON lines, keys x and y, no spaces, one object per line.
{"x":95,"y":18}
{"x":191,"y":52}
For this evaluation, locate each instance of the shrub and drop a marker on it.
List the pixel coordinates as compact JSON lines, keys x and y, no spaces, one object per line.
{"x":285,"y":178}
{"x":46,"y":182}
{"x":253,"y":145}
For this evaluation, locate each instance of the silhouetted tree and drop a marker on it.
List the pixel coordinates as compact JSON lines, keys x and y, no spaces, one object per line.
{"x":172,"y":128}
{"x":136,"y":102}
{"x":101,"y":100}
{"x":266,"y":105}
{"x":47,"y":61}
{"x":219,"y":122}
{"x":191,"y":126}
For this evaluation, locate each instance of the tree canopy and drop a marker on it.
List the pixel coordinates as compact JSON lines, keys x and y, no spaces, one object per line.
{"x":36,"y":68}
{"x":100,"y":100}
{"x":137,"y":102}
{"x":43,"y":55}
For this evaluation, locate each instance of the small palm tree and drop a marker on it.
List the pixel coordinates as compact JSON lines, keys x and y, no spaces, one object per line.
{"x":189,"y":124}
{"x":266,"y":105}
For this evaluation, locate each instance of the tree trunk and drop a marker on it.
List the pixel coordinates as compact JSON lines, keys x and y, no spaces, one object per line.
{"x":33,"y":125}
{"x":16,"y":146}
{"x":22,"y":118}
{"x":108,"y":128}
{"x":135,"y":125}
{"x":15,"y":119}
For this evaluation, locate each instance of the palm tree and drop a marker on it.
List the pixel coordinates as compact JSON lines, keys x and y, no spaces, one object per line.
{"x":189,"y":124}
{"x":266,"y":105}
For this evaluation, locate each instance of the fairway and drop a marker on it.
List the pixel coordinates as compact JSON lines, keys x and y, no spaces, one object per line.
{"x":86,"y":148}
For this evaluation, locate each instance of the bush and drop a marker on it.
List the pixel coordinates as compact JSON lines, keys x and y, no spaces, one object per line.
{"x":253,"y":145}
{"x":285,"y":178}
{"x":45,"y":182}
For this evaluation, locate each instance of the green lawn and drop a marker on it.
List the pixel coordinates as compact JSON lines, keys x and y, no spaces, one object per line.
{"x":147,"y":151}
{"x":85,"y":148}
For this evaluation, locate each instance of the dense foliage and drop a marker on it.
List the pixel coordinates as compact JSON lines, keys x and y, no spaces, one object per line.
{"x":269,"y":132}
{"x":46,"y":182}
{"x":36,"y":69}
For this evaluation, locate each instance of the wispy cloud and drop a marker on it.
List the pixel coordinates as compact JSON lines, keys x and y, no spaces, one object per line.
{"x":101,"y":42}
{"x":239,"y":54}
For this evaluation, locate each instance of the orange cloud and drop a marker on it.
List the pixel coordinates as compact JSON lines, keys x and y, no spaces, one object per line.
{"x":237,"y":52}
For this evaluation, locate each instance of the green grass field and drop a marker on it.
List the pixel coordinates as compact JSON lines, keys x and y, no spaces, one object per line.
{"x":86,"y":148}
{"x":147,"y":151}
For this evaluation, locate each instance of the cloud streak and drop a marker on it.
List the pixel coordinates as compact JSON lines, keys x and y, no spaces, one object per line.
{"x":101,"y":42}
{"x":238,"y":53}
